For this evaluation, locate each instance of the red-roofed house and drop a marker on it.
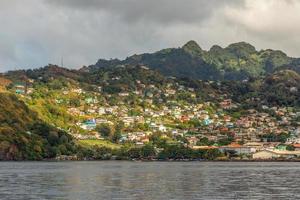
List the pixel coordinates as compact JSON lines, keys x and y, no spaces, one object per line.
{"x":239,"y":149}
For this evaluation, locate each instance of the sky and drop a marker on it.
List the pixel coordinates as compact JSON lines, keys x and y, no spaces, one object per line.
{"x":35,"y":33}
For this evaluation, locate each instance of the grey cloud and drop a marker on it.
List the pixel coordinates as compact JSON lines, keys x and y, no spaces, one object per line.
{"x":37,"y":32}
{"x":160,"y":11}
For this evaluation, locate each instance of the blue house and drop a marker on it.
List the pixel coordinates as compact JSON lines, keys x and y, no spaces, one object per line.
{"x":89,"y":124}
{"x":207,"y":122}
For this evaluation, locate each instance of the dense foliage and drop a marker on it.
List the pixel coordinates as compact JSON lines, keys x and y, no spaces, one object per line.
{"x":24,"y":136}
{"x":238,"y":61}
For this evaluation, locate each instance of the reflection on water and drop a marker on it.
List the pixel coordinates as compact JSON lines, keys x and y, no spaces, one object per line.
{"x":149,"y":180}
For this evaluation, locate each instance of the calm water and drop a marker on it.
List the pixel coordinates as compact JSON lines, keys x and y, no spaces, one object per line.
{"x":153,"y":180}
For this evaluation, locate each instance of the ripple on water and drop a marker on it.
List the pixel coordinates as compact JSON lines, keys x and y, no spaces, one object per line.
{"x":149,"y":180}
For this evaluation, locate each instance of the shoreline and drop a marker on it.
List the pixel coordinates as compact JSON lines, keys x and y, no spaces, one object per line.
{"x":145,"y":160}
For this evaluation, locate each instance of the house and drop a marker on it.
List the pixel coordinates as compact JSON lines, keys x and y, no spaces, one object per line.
{"x":89,"y":124}
{"x":271,"y":154}
{"x":103,"y":121}
{"x":192,"y":140}
{"x":162,"y":128}
{"x":239,"y":149}
{"x":90,"y":100}
{"x":226,"y":104}
{"x":297,"y":131}
{"x":184,"y":118}
{"x":74,"y":111}
{"x":30,"y":90}
{"x":149,"y":94}
{"x":144,"y":67}
{"x":115,"y":78}
{"x":227,"y":118}
{"x":297,"y":147}
{"x":257,"y":145}
{"x":128,"y":120}
{"x":20,"y":89}
{"x":90,"y":110}
{"x":77,"y":90}
{"x":150,"y":101}
{"x":101,"y":111}
{"x":207,"y":122}
{"x":204,"y":147}
{"x":170,"y":91}
{"x":123,"y":94}
{"x":65,"y":92}
{"x":145,"y":140}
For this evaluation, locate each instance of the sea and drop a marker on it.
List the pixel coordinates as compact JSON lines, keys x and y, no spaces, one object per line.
{"x":85,"y":180}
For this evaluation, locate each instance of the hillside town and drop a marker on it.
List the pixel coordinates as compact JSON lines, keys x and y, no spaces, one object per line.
{"x":177,"y":114}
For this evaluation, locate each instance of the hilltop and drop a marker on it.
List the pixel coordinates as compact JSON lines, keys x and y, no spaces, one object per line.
{"x":237,"y":61}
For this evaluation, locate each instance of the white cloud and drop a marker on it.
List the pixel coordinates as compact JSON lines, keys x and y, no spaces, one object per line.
{"x":269,"y":23}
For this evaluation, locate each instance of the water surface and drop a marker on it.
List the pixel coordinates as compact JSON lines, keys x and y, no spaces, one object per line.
{"x":149,"y":180}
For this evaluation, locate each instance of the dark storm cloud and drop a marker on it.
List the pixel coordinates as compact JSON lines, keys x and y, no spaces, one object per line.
{"x":160,"y":11}
{"x":37,"y":32}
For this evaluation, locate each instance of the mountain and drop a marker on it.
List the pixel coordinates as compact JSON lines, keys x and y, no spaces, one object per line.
{"x":238,"y":61}
{"x":44,"y":73}
{"x":279,"y":87}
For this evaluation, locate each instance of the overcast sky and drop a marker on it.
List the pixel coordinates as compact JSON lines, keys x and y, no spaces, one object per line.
{"x":37,"y":32}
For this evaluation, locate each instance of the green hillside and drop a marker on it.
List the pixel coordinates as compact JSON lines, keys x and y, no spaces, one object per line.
{"x":157,"y":101}
{"x":24,"y":136}
{"x":282,"y":88}
{"x":238,"y":61}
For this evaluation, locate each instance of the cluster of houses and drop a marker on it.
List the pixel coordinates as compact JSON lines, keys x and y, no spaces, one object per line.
{"x":249,"y":128}
{"x":174,"y":118}
{"x":258,"y":150}
{"x":214,"y":124}
{"x":24,"y":89}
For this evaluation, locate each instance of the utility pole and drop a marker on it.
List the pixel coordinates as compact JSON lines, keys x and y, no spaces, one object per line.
{"x":25,"y":79}
{"x":26,"y":85}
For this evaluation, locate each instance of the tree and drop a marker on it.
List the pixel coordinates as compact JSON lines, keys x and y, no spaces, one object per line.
{"x":225,"y":141}
{"x":104,"y":130}
{"x":290,"y":147}
{"x":63,"y":150}
{"x":56,"y":84}
{"x":119,"y":127}
{"x":63,"y":139}
{"x":231,"y":153}
{"x":53,"y":137}
{"x":74,"y":102}
{"x":116,"y":137}
{"x":102,"y":153}
{"x":134,"y":153}
{"x":195,"y":122}
{"x":205,"y":142}
{"x":148,"y":151}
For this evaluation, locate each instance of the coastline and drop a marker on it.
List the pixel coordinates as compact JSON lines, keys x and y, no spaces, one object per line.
{"x":145,"y":160}
{"x":178,"y":160}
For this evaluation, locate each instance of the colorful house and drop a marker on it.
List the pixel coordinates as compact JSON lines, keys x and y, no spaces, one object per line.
{"x":20,"y":89}
{"x":207,"y":122}
{"x":89,"y":124}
